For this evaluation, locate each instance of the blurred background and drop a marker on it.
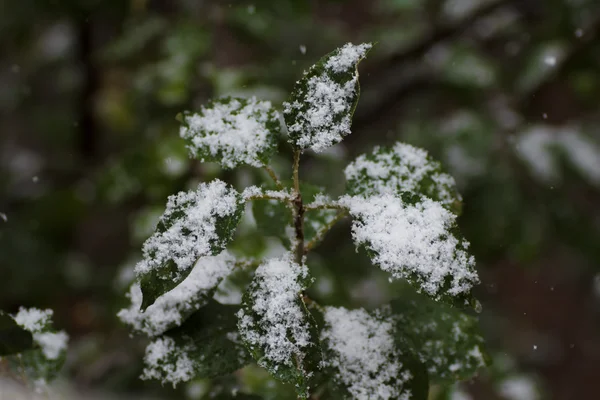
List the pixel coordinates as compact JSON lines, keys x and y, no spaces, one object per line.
{"x":504,"y":93}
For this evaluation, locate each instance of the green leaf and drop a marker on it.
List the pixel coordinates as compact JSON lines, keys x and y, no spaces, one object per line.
{"x":195,"y":224}
{"x":205,"y":346}
{"x":232,"y":131}
{"x":319,"y":111}
{"x":365,"y":360}
{"x":175,"y":306}
{"x":416,"y":239}
{"x":403,"y":168}
{"x":13,"y":338}
{"x":446,"y":340}
{"x":276,"y":326}
{"x":273,"y":218}
{"x":42,"y":362}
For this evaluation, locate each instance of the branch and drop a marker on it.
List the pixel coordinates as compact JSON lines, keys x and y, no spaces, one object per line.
{"x":444,"y":32}
{"x":577,"y":47}
{"x":298,"y":211}
{"x":321,"y":234}
{"x":273,"y":176}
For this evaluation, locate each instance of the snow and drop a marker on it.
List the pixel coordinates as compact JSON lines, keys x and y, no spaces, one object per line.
{"x":193,"y":233}
{"x":519,"y":388}
{"x":404,"y":168}
{"x":38,"y":322}
{"x":550,"y":60}
{"x":235,"y":130}
{"x":325,"y":118}
{"x":276,"y":322}
{"x":33,"y":319}
{"x":364,"y":356}
{"x":347,"y":57}
{"x":167,"y":362}
{"x":535,"y":146}
{"x":251,"y":191}
{"x":52,"y":344}
{"x":413,"y":241}
{"x":173,"y":307}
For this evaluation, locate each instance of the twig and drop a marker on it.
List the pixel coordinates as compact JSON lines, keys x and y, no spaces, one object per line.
{"x":444,"y":32}
{"x":298,"y":211}
{"x":325,"y":206}
{"x":273,"y":176}
{"x":321,"y":234}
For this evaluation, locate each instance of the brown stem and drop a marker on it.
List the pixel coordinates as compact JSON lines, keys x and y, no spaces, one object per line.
{"x":298,"y":212}
{"x":273,"y":176}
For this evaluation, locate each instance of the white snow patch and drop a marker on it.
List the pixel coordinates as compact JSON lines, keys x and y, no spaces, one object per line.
{"x":413,"y":241}
{"x":38,"y":322}
{"x":192,"y":235}
{"x":276,"y":292}
{"x":404,"y":168}
{"x":167,"y":362}
{"x":236,"y":131}
{"x":364,"y":356}
{"x":172,"y":307}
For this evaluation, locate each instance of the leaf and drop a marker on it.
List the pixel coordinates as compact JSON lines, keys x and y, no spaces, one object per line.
{"x":276,"y":326}
{"x":232,"y":131}
{"x":319,"y":111}
{"x":364,"y":358}
{"x":273,"y":218}
{"x":207,"y":345}
{"x":43,"y":361}
{"x":175,"y":306}
{"x":195,"y":224}
{"x":13,"y":338}
{"x":446,"y":340}
{"x":403,"y":168}
{"x":416,"y":239}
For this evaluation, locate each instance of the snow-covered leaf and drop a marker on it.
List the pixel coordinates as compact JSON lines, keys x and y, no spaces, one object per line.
{"x":173,"y":307}
{"x":13,"y":338}
{"x":361,"y":353}
{"x":417,"y":239}
{"x":195,"y":224}
{"x":403,"y":168}
{"x":446,"y":340}
{"x":232,"y":131}
{"x":205,"y":346}
{"x":276,"y":326}
{"x":43,"y":362}
{"x":319,"y":111}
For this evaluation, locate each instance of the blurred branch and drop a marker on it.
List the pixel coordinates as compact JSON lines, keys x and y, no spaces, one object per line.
{"x":441,"y":33}
{"x":577,"y":47}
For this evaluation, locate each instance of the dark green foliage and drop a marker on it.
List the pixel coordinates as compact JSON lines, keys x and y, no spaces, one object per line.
{"x":13,"y":338}
{"x":445,"y":339}
{"x":161,"y":279}
{"x":273,"y":218}
{"x":210,"y":339}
